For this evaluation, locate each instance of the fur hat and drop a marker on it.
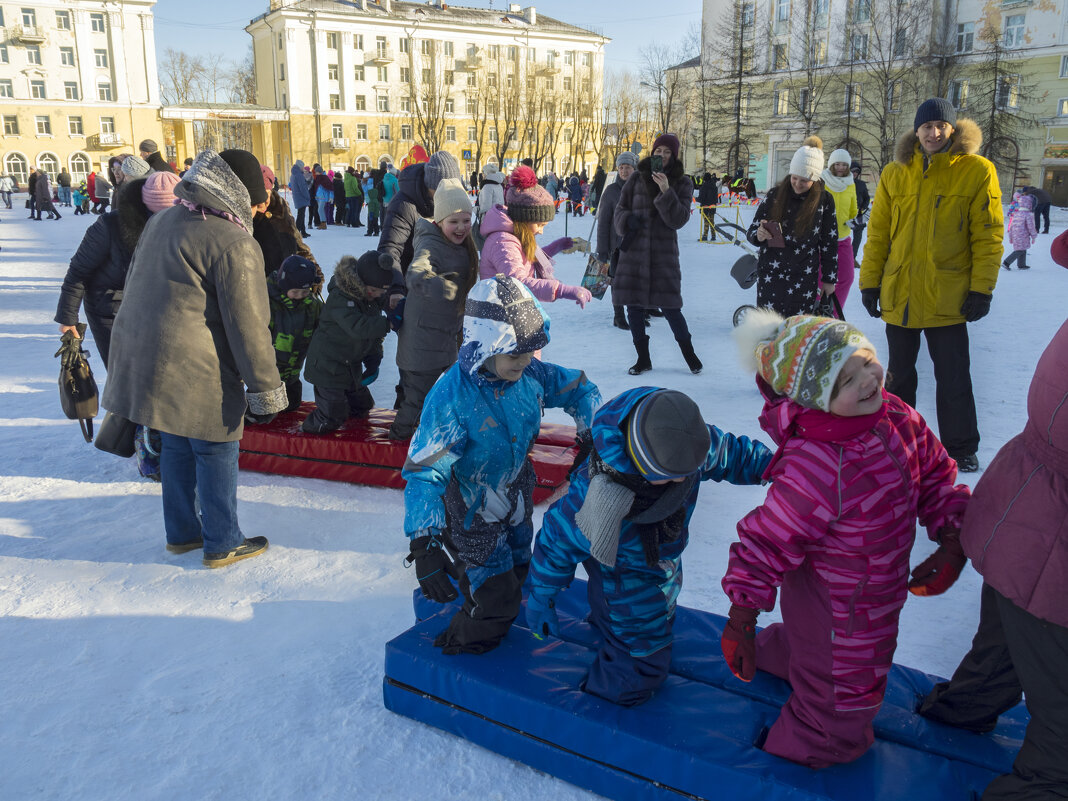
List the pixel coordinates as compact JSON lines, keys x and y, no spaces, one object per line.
{"x":526,"y":201}
{"x":627,"y":157}
{"x":297,"y":272}
{"x":934,"y":109}
{"x":807,"y":162}
{"x":492,"y":174}
{"x":158,"y":192}
{"x":840,"y":156}
{"x":135,"y":167}
{"x":247,"y":169}
{"x":148,"y":146}
{"x":372,"y":272}
{"x":666,"y":436}
{"x":450,"y":198}
{"x":800,"y":357}
{"x":670,"y":141}
{"x":441,"y":165}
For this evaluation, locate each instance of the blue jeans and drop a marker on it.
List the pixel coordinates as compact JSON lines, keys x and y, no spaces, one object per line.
{"x":195,"y":468}
{"x":64,"y":195}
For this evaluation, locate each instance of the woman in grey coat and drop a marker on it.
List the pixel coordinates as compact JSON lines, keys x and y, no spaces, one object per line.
{"x":43,"y":194}
{"x":190,"y":336}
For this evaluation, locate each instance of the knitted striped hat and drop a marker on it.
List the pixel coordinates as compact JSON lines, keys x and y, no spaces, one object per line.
{"x":525,"y":200}
{"x":800,"y":357}
{"x":666,"y":436}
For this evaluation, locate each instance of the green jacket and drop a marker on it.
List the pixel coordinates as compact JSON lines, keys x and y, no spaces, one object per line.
{"x":292,"y":324}
{"x":374,"y":206}
{"x":352,"y":185}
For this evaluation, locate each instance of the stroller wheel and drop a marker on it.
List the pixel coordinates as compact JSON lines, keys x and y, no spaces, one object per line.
{"x":740,"y":312}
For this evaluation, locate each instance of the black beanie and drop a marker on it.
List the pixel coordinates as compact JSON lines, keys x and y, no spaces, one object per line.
{"x":372,"y":272}
{"x":667,"y":436}
{"x":933,"y":110}
{"x":247,"y":168}
{"x":296,"y":272}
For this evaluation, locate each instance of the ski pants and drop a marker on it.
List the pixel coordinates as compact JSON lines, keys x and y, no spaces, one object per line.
{"x":415,"y":386}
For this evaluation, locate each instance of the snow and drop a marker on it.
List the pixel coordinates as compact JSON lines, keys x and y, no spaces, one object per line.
{"x":131,"y":673}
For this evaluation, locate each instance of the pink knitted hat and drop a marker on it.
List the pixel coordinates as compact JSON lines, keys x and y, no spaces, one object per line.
{"x":158,"y":192}
{"x":526,"y":201}
{"x":268,"y":178}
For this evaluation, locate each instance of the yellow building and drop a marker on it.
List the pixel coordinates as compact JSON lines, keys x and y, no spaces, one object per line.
{"x":78,"y":83}
{"x":364,"y":82}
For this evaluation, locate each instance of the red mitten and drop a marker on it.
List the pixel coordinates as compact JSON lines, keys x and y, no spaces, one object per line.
{"x":739,"y":641}
{"x":938,"y":572}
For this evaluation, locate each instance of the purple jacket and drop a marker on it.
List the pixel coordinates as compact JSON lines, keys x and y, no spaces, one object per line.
{"x":503,"y":253}
{"x":1016,"y":527}
{"x":1022,"y":230}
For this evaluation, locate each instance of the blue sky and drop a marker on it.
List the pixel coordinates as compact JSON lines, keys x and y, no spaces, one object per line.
{"x":208,"y":26}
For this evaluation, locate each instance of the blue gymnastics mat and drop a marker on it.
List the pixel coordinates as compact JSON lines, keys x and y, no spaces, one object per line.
{"x":693,"y":739}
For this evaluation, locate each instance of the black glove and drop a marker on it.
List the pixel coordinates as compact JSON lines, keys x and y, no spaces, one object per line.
{"x":976,"y":306}
{"x":431,"y":568}
{"x":70,"y":349}
{"x":870,"y":299}
{"x":584,"y":443}
{"x":258,"y":419}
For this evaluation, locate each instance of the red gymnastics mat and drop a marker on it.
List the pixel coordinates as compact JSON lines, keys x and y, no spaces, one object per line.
{"x":360,"y":452}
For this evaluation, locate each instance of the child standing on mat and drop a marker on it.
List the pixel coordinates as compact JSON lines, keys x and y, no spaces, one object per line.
{"x":293,"y":291}
{"x":625,"y":518}
{"x":351,"y":323}
{"x":855,"y":468}
{"x":469,"y":497}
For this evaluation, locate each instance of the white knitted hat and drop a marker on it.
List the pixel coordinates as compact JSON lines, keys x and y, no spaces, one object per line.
{"x":807,"y":162}
{"x":450,"y":198}
{"x":840,"y":156}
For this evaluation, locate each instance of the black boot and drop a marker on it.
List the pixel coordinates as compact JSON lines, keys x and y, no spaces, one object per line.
{"x":691,"y":358}
{"x":643,"y":365}
{"x":620,"y":320}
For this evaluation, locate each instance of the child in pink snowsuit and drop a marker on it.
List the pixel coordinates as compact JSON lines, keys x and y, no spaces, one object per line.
{"x":1022,"y":231}
{"x":855,"y":468}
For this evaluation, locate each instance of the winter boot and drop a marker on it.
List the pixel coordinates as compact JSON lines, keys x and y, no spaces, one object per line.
{"x":252,"y":546}
{"x":643,"y":365}
{"x":620,"y":320}
{"x":686,"y":346}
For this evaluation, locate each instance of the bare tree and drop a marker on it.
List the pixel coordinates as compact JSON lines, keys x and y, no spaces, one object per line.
{"x":430,"y":87}
{"x":672,"y":86}
{"x":627,"y":118}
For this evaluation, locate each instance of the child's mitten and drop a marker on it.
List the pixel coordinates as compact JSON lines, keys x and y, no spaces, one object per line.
{"x":739,"y":641}
{"x":542,"y":619}
{"x":938,"y":572}
{"x":431,"y":567}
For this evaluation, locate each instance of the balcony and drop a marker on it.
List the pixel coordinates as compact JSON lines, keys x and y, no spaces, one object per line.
{"x":105,"y":140}
{"x":28,"y":34}
{"x":339,"y":143}
{"x":380,"y":55}
{"x":547,"y":70}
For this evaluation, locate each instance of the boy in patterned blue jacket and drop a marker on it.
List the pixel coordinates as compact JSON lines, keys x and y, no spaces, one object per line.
{"x":626,"y":517}
{"x":469,"y":496}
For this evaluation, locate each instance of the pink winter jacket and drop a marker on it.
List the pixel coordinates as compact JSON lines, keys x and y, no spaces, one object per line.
{"x":503,"y":253}
{"x":1022,"y":231}
{"x":846,"y":503}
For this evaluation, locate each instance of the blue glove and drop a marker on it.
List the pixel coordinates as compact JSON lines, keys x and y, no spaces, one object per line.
{"x":541,"y":614}
{"x":396,"y":315}
{"x":369,"y":376}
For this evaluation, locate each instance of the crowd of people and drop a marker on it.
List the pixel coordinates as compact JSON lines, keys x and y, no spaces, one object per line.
{"x":165,"y":278}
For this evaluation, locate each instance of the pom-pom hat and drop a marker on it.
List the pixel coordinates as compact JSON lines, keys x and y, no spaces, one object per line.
{"x":526,"y":201}
{"x":807,"y":161}
{"x":666,"y":436}
{"x":373,"y":270}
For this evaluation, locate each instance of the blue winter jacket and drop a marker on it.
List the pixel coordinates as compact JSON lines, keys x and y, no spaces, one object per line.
{"x":479,"y":428}
{"x":298,"y":186}
{"x":640,"y":599}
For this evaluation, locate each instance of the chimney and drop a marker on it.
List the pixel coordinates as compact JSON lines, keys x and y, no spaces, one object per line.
{"x":531,"y":15}
{"x":514,"y":8}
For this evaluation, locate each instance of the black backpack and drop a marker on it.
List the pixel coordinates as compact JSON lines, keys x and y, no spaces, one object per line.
{"x":77,"y":387}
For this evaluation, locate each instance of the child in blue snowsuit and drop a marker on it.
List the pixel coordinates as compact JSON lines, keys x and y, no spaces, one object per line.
{"x":468,"y":500}
{"x":625,"y":518}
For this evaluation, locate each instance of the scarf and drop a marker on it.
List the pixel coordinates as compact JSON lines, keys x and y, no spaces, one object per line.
{"x":204,"y":210}
{"x":836,"y":184}
{"x":658,"y":512}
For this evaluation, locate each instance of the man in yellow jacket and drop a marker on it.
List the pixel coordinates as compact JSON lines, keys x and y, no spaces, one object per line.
{"x":931,"y":262}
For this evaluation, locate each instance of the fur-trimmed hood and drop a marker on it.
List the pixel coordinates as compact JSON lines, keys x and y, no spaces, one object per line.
{"x":347,"y":280}
{"x":966,"y":139}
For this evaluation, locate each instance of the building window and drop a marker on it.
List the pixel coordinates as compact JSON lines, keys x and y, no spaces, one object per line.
{"x":1008,"y":92}
{"x":361,"y":131}
{"x":860,"y":47}
{"x":450,"y":106}
{"x":383,"y":74}
{"x":861,"y":10}
{"x":586,"y":60}
{"x":70,"y":90}
{"x":331,"y":72}
{"x":383,"y":132}
{"x":450,"y":133}
{"x":491,"y":80}
{"x":852,"y":99}
{"x":37,"y":90}
{"x":279,"y":41}
{"x":447,"y":49}
{"x":331,"y":41}
{"x":66,"y":56}
{"x":357,"y":41}
{"x":472,"y":133}
{"x":569,"y":58}
{"x":782,"y":10}
{"x":96,"y":23}
{"x":550,"y":57}
{"x":509,"y":80}
{"x":513,"y":53}
{"x":74,"y":126}
{"x":819,"y":54}
{"x":901,"y":43}
{"x":893,"y":96}
{"x":3,"y":54}
{"x":804,"y":100}
{"x":494,"y":51}
{"x":335,"y":102}
{"x":406,"y":133}
{"x":450,"y":77}
{"x":426,"y":47}
{"x":492,"y":135}
{"x":337,"y":130}
{"x":29,"y":18}
{"x":33,"y":54}
{"x":748,"y":15}
{"x":1064,"y":66}
{"x":79,"y":166}
{"x":405,"y":44}
{"x":43,"y":125}
{"x":1014,"y":30}
{"x":101,"y":58}
{"x":781,"y":102}
{"x":357,"y":72}
{"x":361,"y":103}
{"x":382,"y":103}
{"x":6,"y":89}
{"x":820,"y":7}
{"x":472,"y":107}
{"x":63,"y":20}
{"x":426,"y":77}
{"x":107,"y":125}
{"x":780,"y":59}
{"x":103,"y":91}
{"x":281,"y":72}
{"x":965,"y":37}
{"x":406,"y":75}
{"x":568,"y":84}
{"x":11,"y":125}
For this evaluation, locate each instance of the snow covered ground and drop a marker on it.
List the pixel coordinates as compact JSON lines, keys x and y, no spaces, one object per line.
{"x":130,"y":673}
